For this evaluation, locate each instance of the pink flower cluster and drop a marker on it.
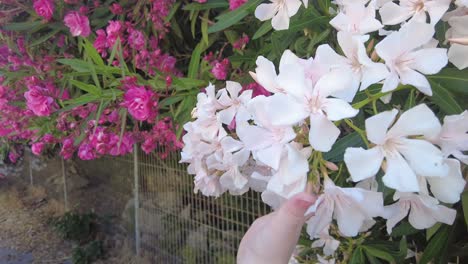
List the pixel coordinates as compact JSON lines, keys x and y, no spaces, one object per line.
{"x":161,"y":135}
{"x":135,"y":47}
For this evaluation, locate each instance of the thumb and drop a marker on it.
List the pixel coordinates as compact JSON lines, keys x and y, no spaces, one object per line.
{"x":285,"y":225}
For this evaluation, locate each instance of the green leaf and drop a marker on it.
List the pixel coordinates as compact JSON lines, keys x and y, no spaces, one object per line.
{"x":22,"y":26}
{"x":436,"y":245}
{"x":337,"y":152}
{"x":92,"y":53}
{"x":187,"y":83}
{"x":207,"y":5}
{"x":170,"y":100}
{"x":403,"y":229}
{"x":358,"y":257}
{"x":231,"y":18}
{"x":194,"y":64}
{"x":204,"y":27}
{"x":307,"y":22}
{"x":172,"y":12}
{"x":452,"y":79}
{"x":378,"y":253}
{"x":444,"y":99}
{"x":76,"y":64}
{"x":262,"y":30}
{"x":45,"y":37}
{"x":464,"y":199}
{"x":432,"y":230}
{"x":89,"y":88}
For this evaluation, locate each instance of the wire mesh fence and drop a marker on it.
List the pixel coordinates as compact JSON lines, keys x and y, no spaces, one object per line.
{"x":150,"y":204}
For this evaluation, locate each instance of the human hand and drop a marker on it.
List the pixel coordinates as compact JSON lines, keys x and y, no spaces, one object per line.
{"x":272,"y":238}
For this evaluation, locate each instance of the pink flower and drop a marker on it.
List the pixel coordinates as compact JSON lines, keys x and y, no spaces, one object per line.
{"x":38,"y":102}
{"x":257,"y":89}
{"x":37,"y":148}
{"x":13,"y":157}
{"x":234,"y":4}
{"x":241,"y":42}
{"x":78,"y":24}
{"x":136,"y":39}
{"x":138,"y":101}
{"x":67,"y":148}
{"x":200,"y":1}
{"x":44,"y":8}
{"x":220,"y":69}
{"x":100,"y":44}
{"x":116,"y":9}
{"x":86,"y":152}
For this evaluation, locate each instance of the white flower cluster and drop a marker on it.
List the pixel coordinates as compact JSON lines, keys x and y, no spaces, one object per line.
{"x":265,"y":143}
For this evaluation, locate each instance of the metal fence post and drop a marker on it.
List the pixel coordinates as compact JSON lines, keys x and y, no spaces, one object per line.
{"x":65,"y":188}
{"x":31,"y":179}
{"x":136,"y":199}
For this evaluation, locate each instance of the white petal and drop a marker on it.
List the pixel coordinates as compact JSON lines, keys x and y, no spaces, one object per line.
{"x":230,"y":145}
{"x":373,"y":73}
{"x":338,"y":109}
{"x":287,"y":59}
{"x":265,"y":11}
{"x":333,"y":82}
{"x":292,"y":6}
{"x":254,"y":137}
{"x":424,"y":214}
{"x":285,"y":111}
{"x":417,"y":80}
{"x":270,"y":156}
{"x":322,"y":218}
{"x":448,"y":189}
{"x":323,"y":133}
{"x":437,"y":9}
{"x":393,"y":14}
{"x":429,"y":61}
{"x":227,"y":115}
{"x":349,"y":219}
{"x":327,"y":55}
{"x":419,"y":120}
{"x":458,"y":55}
{"x":423,"y":157}
{"x":281,"y":20}
{"x":266,"y":74}
{"x":292,"y":80}
{"x":394,"y":213}
{"x":234,"y":88}
{"x":340,"y":22}
{"x":399,"y":174}
{"x":415,"y":34}
{"x":377,"y":126}
{"x":363,"y":163}
{"x":391,"y":82}
{"x":370,"y":202}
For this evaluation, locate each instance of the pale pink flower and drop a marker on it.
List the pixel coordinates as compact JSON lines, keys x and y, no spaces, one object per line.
{"x":418,"y":10}
{"x":424,"y":211}
{"x":453,"y":138}
{"x":407,"y":60}
{"x":350,"y":207}
{"x":405,"y":156}
{"x":78,"y":24}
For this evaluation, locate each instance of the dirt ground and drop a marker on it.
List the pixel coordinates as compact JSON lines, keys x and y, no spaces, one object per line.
{"x":25,"y":236}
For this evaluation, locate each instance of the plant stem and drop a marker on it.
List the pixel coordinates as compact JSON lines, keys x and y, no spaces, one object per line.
{"x":358,"y":130}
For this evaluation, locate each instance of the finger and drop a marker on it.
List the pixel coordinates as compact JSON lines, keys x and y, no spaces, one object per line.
{"x":281,"y":233}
